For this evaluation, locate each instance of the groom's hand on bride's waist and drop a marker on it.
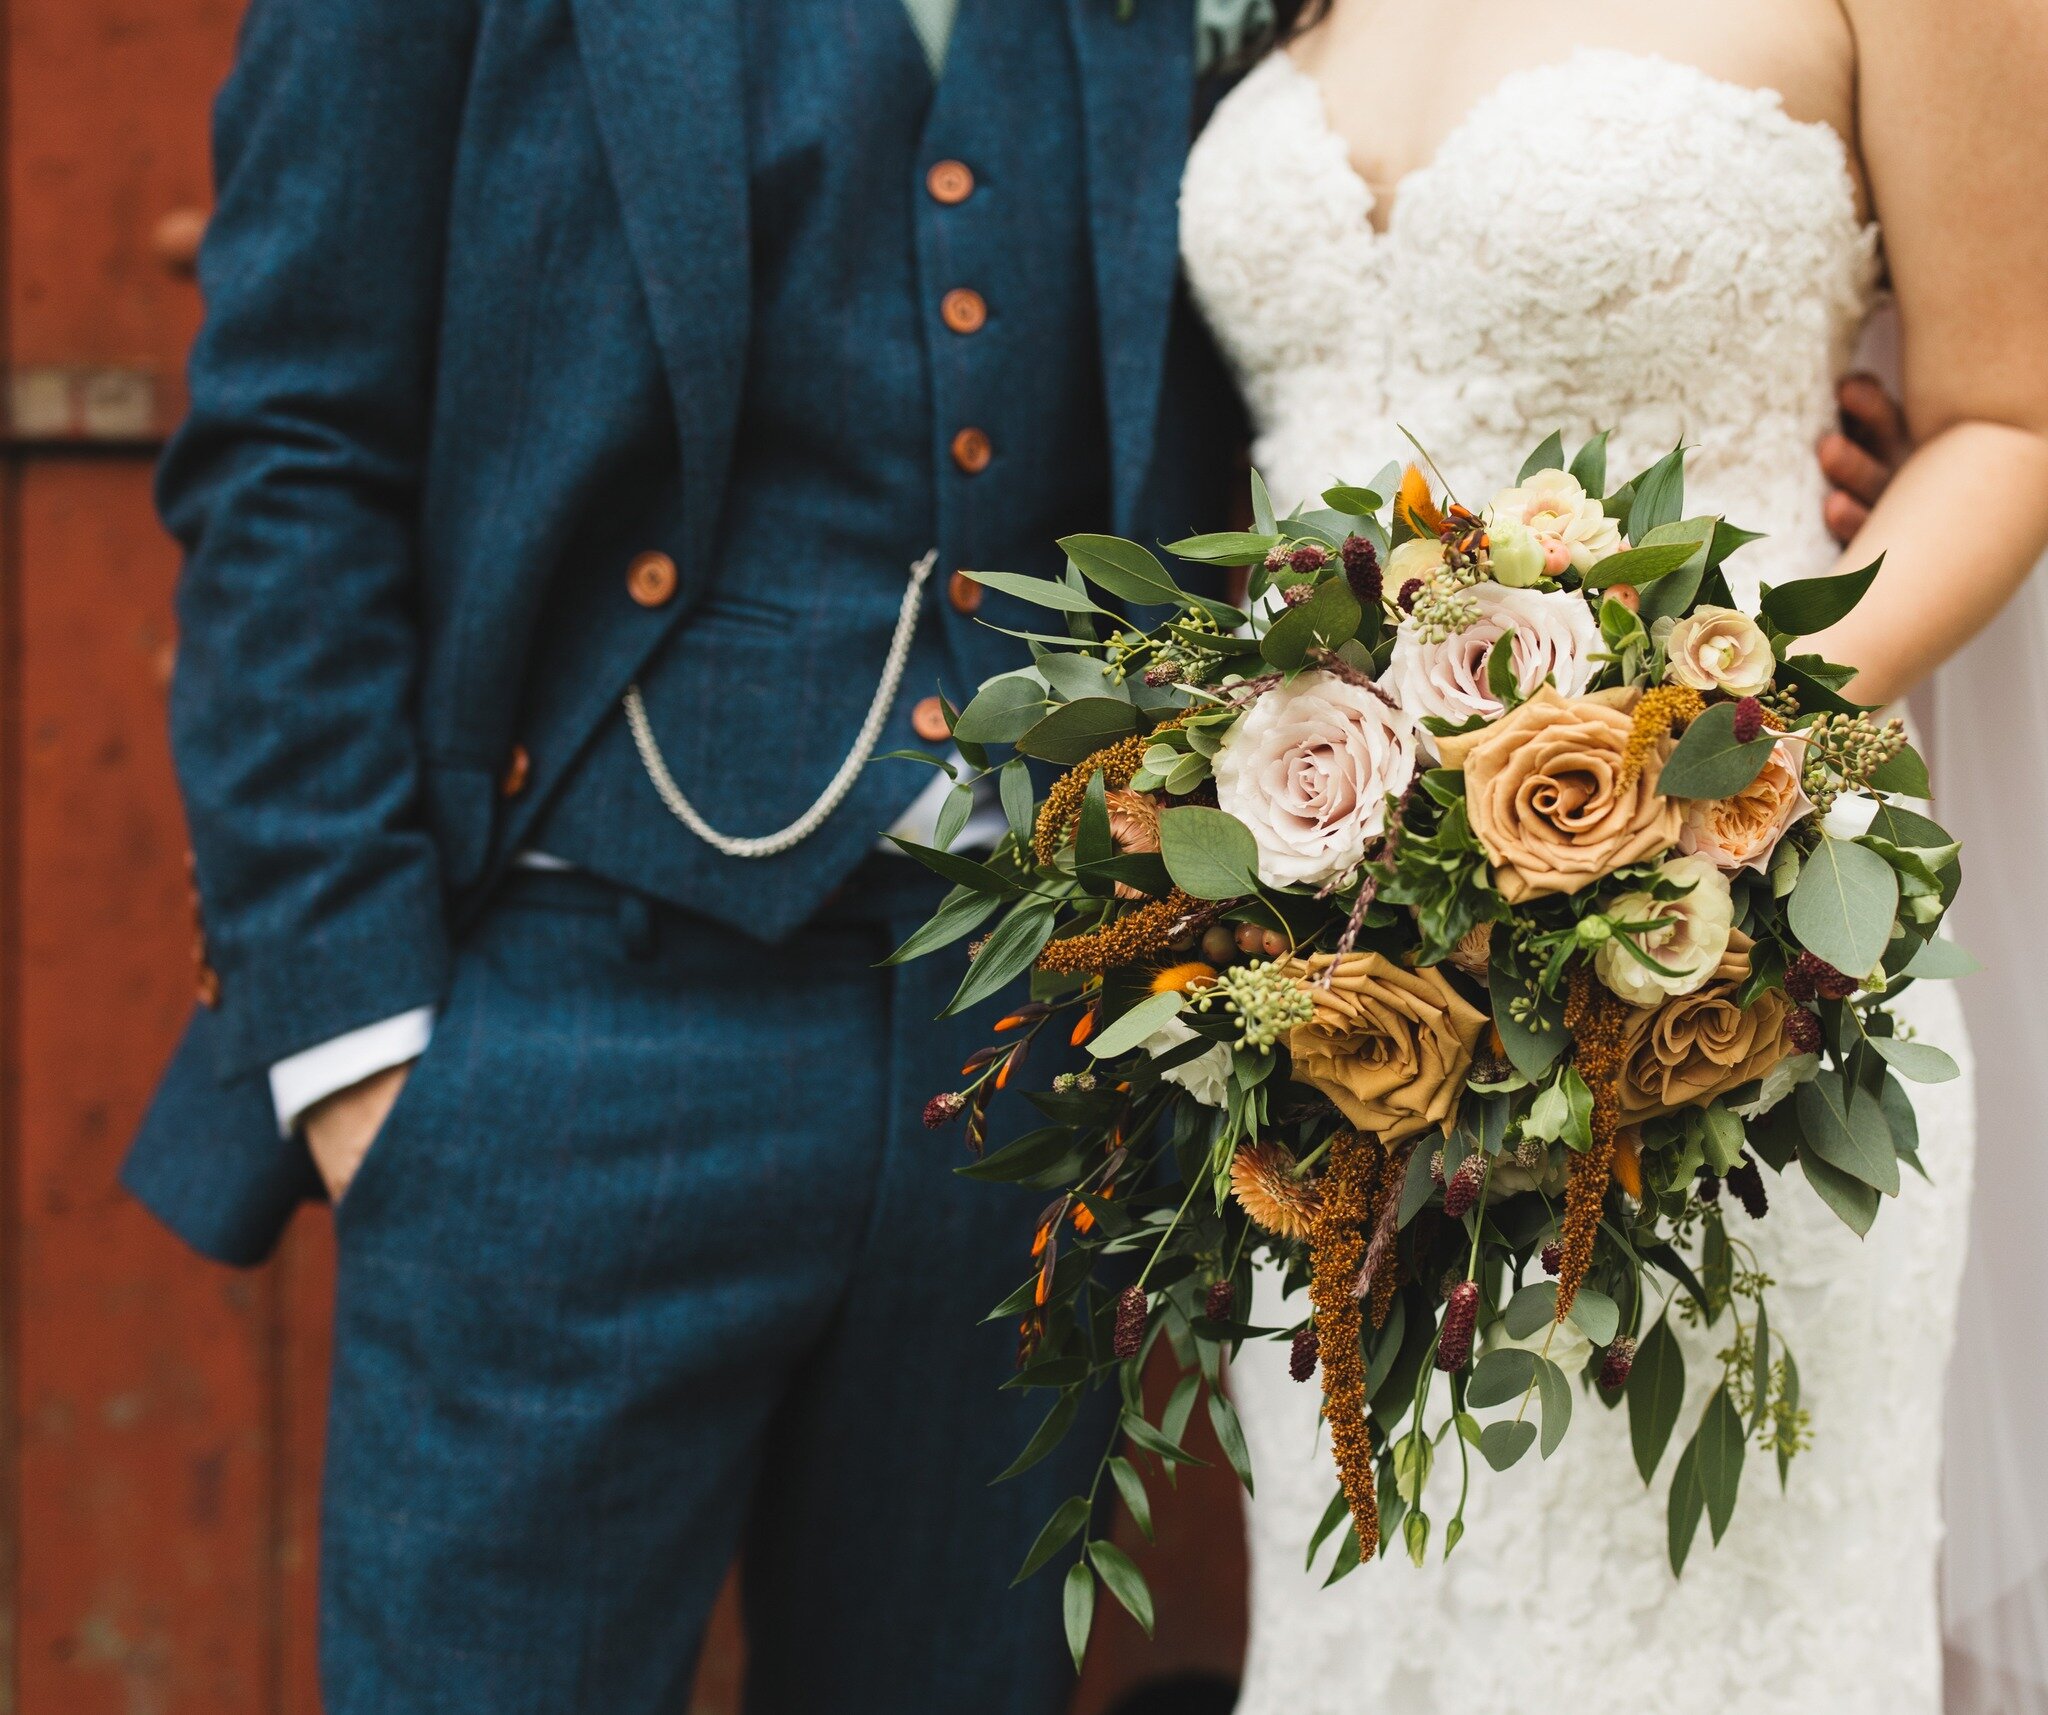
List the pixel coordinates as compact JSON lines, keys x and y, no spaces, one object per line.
{"x":340,"y":1129}
{"x":1861,"y":457}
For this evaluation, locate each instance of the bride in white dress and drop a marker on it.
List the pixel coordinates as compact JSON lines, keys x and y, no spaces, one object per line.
{"x":1483,"y":220}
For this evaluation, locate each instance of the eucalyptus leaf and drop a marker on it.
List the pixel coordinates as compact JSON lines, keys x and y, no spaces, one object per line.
{"x":1209,"y":854}
{"x":961,"y":912}
{"x":1920,"y":1061}
{"x":1846,"y":1128}
{"x":1126,"y":1032}
{"x":1531,"y":1309}
{"x":1656,"y":1389}
{"x":1687,"y":1501}
{"x":1073,"y":732}
{"x":1501,"y":1375}
{"x":1043,"y":592}
{"x":953,"y":814}
{"x":1125,"y":569}
{"x":1020,"y":804}
{"x":1353,"y":502}
{"x":1595,"y":1315}
{"x":1002,"y":711}
{"x":1225,"y":548}
{"x":1502,"y":1444}
{"x":1640,"y":566}
{"x":1721,"y":1442}
{"x":1843,"y":908}
{"x":1009,"y":951}
{"x":1710,"y":763}
{"x":1851,"y":1199}
{"x":1556,"y":1393}
{"x":1263,"y":520}
{"x":1329,"y":617}
{"x":1938,"y":958}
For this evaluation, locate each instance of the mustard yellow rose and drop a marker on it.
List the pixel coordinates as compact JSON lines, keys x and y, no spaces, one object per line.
{"x":1390,"y":1047}
{"x":1543,"y":791}
{"x":1688,"y":1051}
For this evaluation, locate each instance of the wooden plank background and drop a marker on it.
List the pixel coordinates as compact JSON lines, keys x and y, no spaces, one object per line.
{"x":161,"y":1431}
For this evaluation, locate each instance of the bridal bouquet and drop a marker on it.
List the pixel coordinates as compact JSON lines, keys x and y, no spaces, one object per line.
{"x":1469,"y":925}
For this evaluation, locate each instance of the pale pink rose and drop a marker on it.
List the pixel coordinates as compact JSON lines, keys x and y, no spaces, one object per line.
{"x":1308,"y":769}
{"x":1568,"y":521}
{"x":1556,"y":636}
{"x":1743,"y":831}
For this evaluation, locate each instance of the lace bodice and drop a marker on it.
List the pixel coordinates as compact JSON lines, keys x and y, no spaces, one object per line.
{"x":1610,"y":242}
{"x":1613,"y":241}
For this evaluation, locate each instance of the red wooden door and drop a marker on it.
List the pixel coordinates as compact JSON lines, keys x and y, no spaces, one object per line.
{"x":160,"y":1426}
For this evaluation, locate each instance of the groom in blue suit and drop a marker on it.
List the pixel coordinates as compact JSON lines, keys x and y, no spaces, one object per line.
{"x":554,"y":347}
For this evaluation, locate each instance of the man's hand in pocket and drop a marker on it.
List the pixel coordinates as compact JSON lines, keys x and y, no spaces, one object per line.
{"x":340,"y":1130}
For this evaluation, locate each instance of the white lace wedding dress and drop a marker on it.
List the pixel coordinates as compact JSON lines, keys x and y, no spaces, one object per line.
{"x":1614,"y":241}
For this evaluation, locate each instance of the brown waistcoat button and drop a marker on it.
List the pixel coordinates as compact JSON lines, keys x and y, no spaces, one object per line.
{"x":518,"y":766}
{"x":963,"y":310}
{"x":950,"y":182}
{"x":972,"y":451}
{"x":964,"y":593}
{"x":928,"y":720}
{"x":651,"y":579}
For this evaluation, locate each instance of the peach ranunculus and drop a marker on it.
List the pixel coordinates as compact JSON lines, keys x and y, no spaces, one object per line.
{"x":1544,"y":792}
{"x":1308,"y":769}
{"x":1743,"y":831}
{"x":1133,"y":827}
{"x":1701,"y":1045}
{"x":1391,"y":1047}
{"x":1718,"y":649}
{"x":1570,"y":523}
{"x":1555,"y":638}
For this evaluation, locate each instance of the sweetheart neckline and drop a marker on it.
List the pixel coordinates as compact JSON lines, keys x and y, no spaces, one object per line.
{"x":1396,"y":199}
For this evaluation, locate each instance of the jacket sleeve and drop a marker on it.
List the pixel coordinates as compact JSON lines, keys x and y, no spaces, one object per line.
{"x":294,"y":488}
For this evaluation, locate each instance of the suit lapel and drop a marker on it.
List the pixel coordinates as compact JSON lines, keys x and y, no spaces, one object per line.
{"x":1137,"y":90}
{"x":666,"y":78}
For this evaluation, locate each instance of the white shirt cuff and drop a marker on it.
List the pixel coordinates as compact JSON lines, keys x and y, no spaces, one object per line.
{"x":313,"y":1075}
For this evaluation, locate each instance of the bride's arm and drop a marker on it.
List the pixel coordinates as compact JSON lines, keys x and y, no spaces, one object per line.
{"x":1954,"y":135}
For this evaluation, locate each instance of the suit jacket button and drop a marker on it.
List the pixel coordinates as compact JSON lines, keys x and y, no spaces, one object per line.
{"x":208,"y":979}
{"x":964,"y":593}
{"x":651,"y":579}
{"x":963,"y":310}
{"x":928,"y":720}
{"x":950,"y":182}
{"x":972,"y":451}
{"x":517,"y":767}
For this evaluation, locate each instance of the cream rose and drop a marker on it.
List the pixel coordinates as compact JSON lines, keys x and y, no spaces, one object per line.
{"x":1390,"y":1047}
{"x":1309,"y":768}
{"x":1562,"y":516}
{"x":1543,"y":789}
{"x":1743,"y":831}
{"x":1694,"y":936}
{"x":1718,"y":649}
{"x":1556,"y":637}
